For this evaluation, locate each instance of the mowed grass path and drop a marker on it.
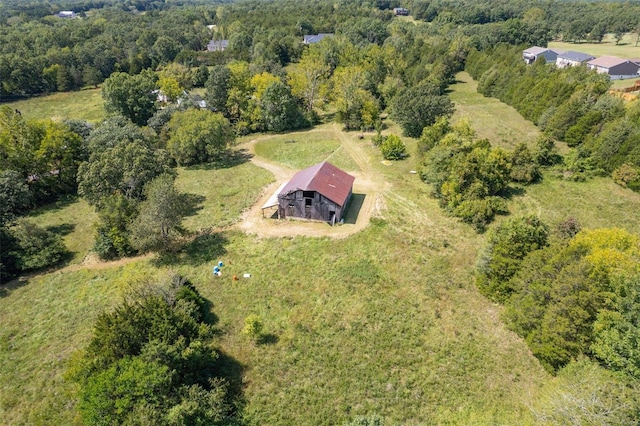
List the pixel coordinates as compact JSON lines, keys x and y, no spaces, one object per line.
{"x":303,"y":149}
{"x":83,"y":105}
{"x":501,"y":124}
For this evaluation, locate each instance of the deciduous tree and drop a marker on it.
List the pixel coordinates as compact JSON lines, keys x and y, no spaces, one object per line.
{"x":159,"y":217}
{"x":197,"y":136}
{"x":418,"y":107}
{"x":131,"y":95}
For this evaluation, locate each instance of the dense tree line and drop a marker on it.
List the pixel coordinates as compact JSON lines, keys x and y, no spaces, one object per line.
{"x":570,"y":105}
{"x":151,"y":361}
{"x":571,"y":295}
{"x":38,"y":163}
{"x":572,"y":20}
{"x":52,"y":54}
{"x":469,"y":177}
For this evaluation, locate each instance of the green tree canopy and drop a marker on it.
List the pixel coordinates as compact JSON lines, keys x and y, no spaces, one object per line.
{"x":507,"y":245}
{"x":560,"y":291}
{"x":124,"y":169}
{"x":279,"y":109}
{"x":418,"y":107}
{"x":132,"y":96}
{"x":150,"y":361}
{"x":159,"y":217}
{"x":197,"y":136}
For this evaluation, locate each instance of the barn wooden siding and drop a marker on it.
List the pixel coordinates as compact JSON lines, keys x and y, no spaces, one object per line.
{"x":309,"y":205}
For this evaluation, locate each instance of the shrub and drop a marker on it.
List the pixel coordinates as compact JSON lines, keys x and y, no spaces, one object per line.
{"x":253,"y":327}
{"x":36,"y":247}
{"x":524,"y":167}
{"x":568,"y":228}
{"x":393,"y":148}
{"x":626,"y":175}
{"x":378,"y":139}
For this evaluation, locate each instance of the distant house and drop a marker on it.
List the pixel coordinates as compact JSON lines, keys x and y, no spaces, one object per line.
{"x":532,"y":54}
{"x":68,"y":14}
{"x":217,"y":45}
{"x":400,"y":11}
{"x":315,"y":38}
{"x":320,"y":192}
{"x":572,"y":59}
{"x":616,"y":68}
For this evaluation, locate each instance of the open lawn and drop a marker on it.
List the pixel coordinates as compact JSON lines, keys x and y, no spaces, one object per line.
{"x":304,"y":149}
{"x":386,"y":321}
{"x":625,"y":49}
{"x":219,"y":204}
{"x":73,"y":219}
{"x":491,"y":119}
{"x":83,"y":105}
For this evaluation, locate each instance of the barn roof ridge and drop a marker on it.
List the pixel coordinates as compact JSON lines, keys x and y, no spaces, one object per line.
{"x":325,"y":178}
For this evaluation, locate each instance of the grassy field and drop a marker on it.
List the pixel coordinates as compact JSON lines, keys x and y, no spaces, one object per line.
{"x":73,"y":218}
{"x":596,"y":203}
{"x":491,"y":119}
{"x":221,"y":204}
{"x":625,"y":49}
{"x":304,"y":149}
{"x":83,"y":105}
{"x":387,"y":321}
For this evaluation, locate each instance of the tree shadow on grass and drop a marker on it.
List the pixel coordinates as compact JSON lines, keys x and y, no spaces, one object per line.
{"x":62,"y":229}
{"x":232,"y":371}
{"x":353,"y":210}
{"x":226,"y":160}
{"x":200,"y":250}
{"x":268,"y":339}
{"x":513,"y":191}
{"x":6,"y":288}
{"x":60,"y":203}
{"x":207,"y":312}
{"x":192,"y":203}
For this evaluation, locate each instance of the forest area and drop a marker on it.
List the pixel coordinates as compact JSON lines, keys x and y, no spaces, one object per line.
{"x":442,"y":254}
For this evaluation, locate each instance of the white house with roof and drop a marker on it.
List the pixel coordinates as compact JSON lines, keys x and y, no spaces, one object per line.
{"x":616,"y":68}
{"x":572,"y":59}
{"x":217,"y":45}
{"x":315,"y":38}
{"x":68,"y":14}
{"x":532,"y":54}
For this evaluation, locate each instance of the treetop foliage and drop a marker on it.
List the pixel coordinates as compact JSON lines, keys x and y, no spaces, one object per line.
{"x":566,"y":298}
{"x":151,"y":359}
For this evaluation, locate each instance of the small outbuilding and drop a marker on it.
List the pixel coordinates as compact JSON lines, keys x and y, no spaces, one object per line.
{"x":217,"y":45}
{"x":321,"y":192}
